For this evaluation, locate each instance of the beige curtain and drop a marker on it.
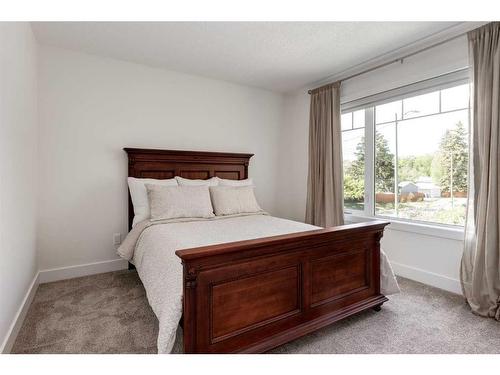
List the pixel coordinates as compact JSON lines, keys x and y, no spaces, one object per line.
{"x":324,"y":182}
{"x":480,"y":270}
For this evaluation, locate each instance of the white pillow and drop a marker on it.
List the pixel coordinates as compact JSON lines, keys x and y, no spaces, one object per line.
{"x":139,"y":195}
{"x":230,"y":200}
{"x":173,"y":202}
{"x":189,"y":182}
{"x":224,"y":182}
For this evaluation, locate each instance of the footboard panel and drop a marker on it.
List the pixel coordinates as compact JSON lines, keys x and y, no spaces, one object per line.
{"x":251,"y":296}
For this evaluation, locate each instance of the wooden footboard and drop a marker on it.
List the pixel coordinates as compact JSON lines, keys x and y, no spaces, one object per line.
{"x":251,"y":296}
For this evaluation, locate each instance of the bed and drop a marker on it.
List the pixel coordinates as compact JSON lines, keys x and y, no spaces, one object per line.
{"x":247,"y":283}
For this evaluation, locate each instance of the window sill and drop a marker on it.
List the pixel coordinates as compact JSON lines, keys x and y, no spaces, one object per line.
{"x":450,"y":233}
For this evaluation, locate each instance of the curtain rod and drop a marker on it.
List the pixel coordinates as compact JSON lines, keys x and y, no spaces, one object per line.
{"x":399,"y":59}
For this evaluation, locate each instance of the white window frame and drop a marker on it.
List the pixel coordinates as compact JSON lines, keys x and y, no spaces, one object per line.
{"x":368,"y":103}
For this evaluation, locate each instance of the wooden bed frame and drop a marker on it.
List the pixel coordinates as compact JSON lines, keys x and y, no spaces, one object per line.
{"x":251,"y":296}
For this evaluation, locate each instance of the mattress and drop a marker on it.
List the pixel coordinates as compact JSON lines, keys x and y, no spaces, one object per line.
{"x":151,"y":247}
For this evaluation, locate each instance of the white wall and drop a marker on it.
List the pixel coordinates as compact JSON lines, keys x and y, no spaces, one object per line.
{"x":292,"y":181}
{"x":18,"y":169}
{"x":91,"y":107}
{"x":425,"y":258}
{"x":429,"y":259}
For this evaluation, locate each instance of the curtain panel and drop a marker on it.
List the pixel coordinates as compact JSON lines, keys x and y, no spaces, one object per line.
{"x":480,"y":268}
{"x":324,"y":205}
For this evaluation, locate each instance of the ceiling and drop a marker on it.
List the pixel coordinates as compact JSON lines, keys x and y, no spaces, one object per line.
{"x":278,"y":56}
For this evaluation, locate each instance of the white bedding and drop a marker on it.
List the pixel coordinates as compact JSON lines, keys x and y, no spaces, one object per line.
{"x":152,"y":248}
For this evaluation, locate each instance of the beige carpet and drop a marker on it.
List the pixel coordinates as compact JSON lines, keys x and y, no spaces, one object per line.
{"x":109,"y":313}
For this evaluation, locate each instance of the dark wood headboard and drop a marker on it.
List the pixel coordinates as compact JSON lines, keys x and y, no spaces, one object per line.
{"x":163,"y":164}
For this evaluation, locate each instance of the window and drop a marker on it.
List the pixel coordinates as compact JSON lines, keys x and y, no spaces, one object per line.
{"x":353,"y":153}
{"x":410,"y":155}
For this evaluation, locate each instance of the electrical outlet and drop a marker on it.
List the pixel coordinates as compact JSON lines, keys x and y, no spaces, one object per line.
{"x":117,"y":239}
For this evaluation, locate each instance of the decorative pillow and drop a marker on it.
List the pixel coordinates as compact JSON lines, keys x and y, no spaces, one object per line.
{"x":229,"y":200}
{"x":139,"y":195}
{"x":181,"y":181}
{"x":224,"y":182}
{"x":173,"y":202}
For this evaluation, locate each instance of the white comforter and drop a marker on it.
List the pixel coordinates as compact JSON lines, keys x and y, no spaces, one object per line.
{"x":152,"y":248}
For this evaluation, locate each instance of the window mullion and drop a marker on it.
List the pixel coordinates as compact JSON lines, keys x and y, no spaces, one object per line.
{"x":369,"y":162}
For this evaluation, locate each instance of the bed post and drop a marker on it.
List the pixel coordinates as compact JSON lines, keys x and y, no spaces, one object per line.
{"x":189,"y":310}
{"x":376,"y":261}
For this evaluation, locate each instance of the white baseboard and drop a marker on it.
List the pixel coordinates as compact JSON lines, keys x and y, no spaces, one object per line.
{"x":427,"y":277}
{"x":18,"y":320}
{"x":63,"y":273}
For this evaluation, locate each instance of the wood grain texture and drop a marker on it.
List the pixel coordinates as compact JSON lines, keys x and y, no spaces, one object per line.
{"x":334,"y":276}
{"x":246,"y":303}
